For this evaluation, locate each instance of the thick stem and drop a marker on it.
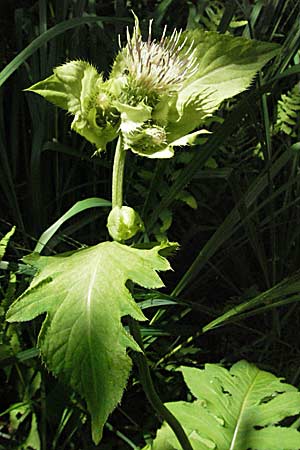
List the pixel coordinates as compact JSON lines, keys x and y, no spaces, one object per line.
{"x":149,"y":389}
{"x":118,"y":173}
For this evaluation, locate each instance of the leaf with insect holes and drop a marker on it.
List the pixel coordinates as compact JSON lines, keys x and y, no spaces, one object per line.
{"x":237,"y":409}
{"x":82,"y":339}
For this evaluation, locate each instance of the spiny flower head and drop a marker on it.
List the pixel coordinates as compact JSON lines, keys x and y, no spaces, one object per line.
{"x":158,"y":67}
{"x":159,"y":91}
{"x":147,"y":77}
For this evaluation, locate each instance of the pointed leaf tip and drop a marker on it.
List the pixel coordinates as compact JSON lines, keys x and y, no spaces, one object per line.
{"x":82,"y":340}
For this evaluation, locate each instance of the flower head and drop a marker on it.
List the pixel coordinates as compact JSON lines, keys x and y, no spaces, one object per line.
{"x":159,"y":91}
{"x":158,"y":66}
{"x":147,"y":78}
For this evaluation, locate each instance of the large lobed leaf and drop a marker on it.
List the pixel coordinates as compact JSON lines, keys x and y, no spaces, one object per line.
{"x":234,"y":410}
{"x":82,"y":339}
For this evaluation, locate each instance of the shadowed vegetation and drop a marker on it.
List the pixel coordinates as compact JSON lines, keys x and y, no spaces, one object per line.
{"x":231,"y":201}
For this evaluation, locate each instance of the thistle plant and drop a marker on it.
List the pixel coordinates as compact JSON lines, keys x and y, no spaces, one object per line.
{"x":158,"y":92}
{"x":157,"y":97}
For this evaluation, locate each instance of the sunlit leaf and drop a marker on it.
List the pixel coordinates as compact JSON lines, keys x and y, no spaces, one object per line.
{"x":226,"y":66}
{"x":78,"y":88}
{"x":237,"y":409}
{"x":85,"y":296}
{"x":4,"y":241}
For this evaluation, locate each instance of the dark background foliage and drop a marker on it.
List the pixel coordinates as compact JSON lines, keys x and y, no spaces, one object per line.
{"x":232,"y":202}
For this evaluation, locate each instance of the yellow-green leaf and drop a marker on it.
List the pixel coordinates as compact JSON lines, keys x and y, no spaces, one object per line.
{"x":82,"y":339}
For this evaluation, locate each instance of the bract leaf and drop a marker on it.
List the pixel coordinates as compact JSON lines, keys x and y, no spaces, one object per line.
{"x":132,"y":117}
{"x":237,"y":409}
{"x":189,"y":139}
{"x":70,"y":87}
{"x":82,"y":339}
{"x":226,"y":66}
{"x":74,"y":86}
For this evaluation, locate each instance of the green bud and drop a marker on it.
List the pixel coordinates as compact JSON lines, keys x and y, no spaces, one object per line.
{"x":123,"y":223}
{"x":150,"y":141}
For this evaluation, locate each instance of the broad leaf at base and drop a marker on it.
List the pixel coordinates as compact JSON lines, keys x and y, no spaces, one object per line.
{"x":82,"y":339}
{"x":234,"y":410}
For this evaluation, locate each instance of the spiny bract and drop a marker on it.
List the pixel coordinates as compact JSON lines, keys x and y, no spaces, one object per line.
{"x":158,"y":91}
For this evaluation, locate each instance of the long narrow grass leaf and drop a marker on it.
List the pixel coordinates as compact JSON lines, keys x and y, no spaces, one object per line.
{"x":50,"y":34}
{"x":80,"y":206}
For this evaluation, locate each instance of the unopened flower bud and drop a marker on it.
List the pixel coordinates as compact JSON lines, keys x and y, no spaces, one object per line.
{"x":123,"y":223}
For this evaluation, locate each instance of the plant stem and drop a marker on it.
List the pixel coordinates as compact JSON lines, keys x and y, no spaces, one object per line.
{"x":149,"y":389}
{"x":140,"y":358}
{"x":118,"y":174}
{"x":43,"y":415}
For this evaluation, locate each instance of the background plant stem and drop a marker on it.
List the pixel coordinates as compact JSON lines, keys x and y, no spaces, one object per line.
{"x":149,"y":389}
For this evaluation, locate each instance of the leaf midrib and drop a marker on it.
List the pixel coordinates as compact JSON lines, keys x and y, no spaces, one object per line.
{"x":89,"y":328}
{"x":242,"y":408}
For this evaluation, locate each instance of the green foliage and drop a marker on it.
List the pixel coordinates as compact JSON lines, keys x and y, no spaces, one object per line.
{"x":156,"y":113}
{"x":82,"y":339}
{"x":20,"y":412}
{"x":79,"y":89}
{"x":226,"y":67}
{"x":237,"y":409}
{"x":8,"y":339}
{"x":4,"y":242}
{"x":160,"y":182}
{"x":33,"y":439}
{"x":283,"y":293}
{"x":208,"y":15}
{"x":236,"y":247}
{"x":23,"y":412}
{"x":288,"y":112}
{"x":79,"y":207}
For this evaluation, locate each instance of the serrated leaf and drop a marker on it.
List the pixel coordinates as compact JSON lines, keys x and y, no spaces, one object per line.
{"x":70,"y":87}
{"x":226,"y":67}
{"x":74,"y":86}
{"x":82,"y":339}
{"x":237,"y":409}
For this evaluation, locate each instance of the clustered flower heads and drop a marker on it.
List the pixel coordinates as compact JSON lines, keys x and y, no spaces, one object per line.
{"x":158,"y":91}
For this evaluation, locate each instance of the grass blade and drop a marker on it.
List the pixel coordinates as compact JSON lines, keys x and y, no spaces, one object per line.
{"x":50,"y":34}
{"x":76,"y":209}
